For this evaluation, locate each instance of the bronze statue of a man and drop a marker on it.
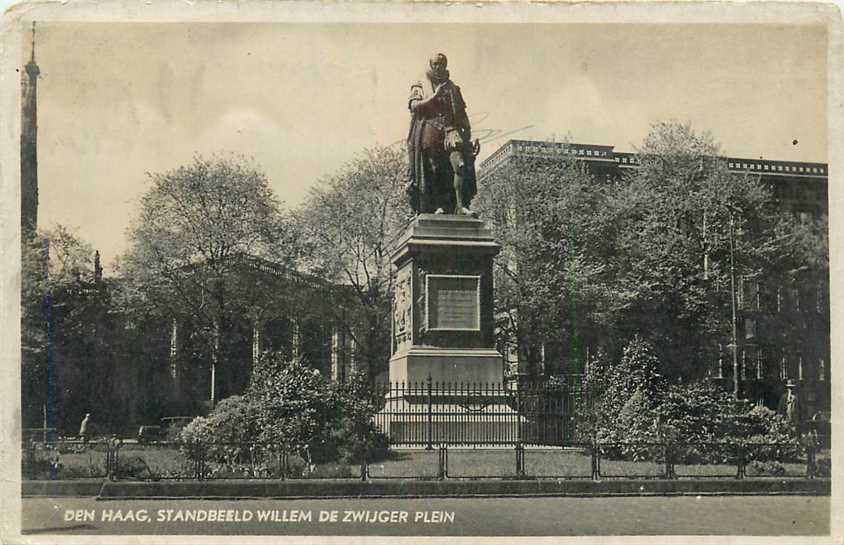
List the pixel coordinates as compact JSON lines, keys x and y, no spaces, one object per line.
{"x":441,"y":153}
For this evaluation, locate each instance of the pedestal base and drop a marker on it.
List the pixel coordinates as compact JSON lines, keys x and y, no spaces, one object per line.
{"x":447,"y":365}
{"x":449,"y":419}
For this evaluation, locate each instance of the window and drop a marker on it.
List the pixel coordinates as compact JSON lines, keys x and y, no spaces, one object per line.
{"x":784,"y":367}
{"x":821,"y":369}
{"x":821,"y":298}
{"x":793,"y":299}
{"x":749,"y":294}
{"x":719,"y":372}
{"x":750,"y":326}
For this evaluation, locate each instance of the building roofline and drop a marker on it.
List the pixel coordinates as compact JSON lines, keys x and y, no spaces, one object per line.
{"x":607,"y":153}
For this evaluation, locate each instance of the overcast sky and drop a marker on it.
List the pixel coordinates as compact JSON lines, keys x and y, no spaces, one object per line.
{"x":118,"y":100}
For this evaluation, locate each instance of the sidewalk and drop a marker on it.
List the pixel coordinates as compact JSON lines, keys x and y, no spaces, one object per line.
{"x":344,"y":488}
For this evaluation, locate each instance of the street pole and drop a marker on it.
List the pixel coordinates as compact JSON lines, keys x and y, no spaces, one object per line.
{"x":734,"y":340}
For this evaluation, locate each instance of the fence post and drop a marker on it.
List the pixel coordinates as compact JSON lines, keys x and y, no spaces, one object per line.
{"x":742,"y":462}
{"x":29,"y":452}
{"x":596,"y":461}
{"x":364,"y":468}
{"x":669,"y":461}
{"x":811,"y":468}
{"x":113,"y":457}
{"x":430,"y":415}
{"x":442,"y":463}
{"x":518,"y":412}
{"x":520,"y":460}
{"x":200,"y":465}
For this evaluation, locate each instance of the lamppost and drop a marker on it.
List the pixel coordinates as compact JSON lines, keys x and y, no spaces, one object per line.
{"x":734,"y":339}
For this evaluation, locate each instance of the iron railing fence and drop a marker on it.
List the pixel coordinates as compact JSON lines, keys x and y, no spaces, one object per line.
{"x":587,"y":460}
{"x":65,"y":459}
{"x":480,"y":414}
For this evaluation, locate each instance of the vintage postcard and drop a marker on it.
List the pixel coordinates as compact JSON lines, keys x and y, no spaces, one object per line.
{"x":316,"y":272}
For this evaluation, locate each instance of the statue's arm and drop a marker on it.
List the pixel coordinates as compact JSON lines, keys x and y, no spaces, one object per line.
{"x":416,"y":97}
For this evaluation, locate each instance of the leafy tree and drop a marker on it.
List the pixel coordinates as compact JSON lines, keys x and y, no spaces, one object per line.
{"x":348,"y":223}
{"x":550,"y":278}
{"x":198,"y":227}
{"x":681,"y":212}
{"x":65,"y":316}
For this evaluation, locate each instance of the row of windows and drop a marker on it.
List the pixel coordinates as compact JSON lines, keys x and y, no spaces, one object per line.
{"x":754,"y":297}
{"x":753,"y":365}
{"x":777,"y":168}
{"x":551,"y":149}
{"x":799,"y":193}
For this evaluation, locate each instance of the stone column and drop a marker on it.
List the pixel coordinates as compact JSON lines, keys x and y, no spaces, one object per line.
{"x":295,"y":341}
{"x":215,"y":358}
{"x":174,"y":352}
{"x":353,"y":355}
{"x":256,"y":342}
{"x":335,"y":353}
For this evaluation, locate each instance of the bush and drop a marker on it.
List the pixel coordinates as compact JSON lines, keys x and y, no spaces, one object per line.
{"x":772,"y":468}
{"x":352,"y":442}
{"x":133,"y":467}
{"x":333,"y":471}
{"x":823,"y":467}
{"x":351,"y":430}
{"x":288,"y":406}
{"x":622,"y":409}
{"x":702,"y":423}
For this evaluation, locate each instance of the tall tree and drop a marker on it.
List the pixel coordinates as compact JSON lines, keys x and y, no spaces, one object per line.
{"x":690,"y":228}
{"x":197,"y":225}
{"x":348,"y":223}
{"x":551,"y":284}
{"x":65,"y":331}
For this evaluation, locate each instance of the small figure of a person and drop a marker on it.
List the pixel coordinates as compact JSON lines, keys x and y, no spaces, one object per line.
{"x":85,"y":428}
{"x":811,"y":442}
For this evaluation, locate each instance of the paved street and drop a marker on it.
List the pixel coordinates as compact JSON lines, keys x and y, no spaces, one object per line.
{"x":743,"y":515}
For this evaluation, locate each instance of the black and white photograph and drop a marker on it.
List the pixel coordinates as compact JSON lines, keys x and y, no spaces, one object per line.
{"x":419,"y":270}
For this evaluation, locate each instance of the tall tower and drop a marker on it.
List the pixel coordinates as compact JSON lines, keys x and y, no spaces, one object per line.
{"x":29,"y":143}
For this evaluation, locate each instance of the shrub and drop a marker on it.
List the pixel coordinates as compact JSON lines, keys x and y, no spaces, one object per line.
{"x":195,"y":438}
{"x":627,"y":395}
{"x":351,"y":432}
{"x":333,"y":471}
{"x":772,"y":468}
{"x":133,"y":467}
{"x":702,"y":423}
{"x":823,"y":467}
{"x":287,"y":406}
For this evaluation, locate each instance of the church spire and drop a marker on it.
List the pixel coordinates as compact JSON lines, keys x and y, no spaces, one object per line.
{"x":32,"y":57}
{"x":29,"y":143}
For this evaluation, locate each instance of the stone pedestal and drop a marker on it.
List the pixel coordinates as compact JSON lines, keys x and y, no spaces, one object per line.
{"x":443,"y":306}
{"x":443,"y":325}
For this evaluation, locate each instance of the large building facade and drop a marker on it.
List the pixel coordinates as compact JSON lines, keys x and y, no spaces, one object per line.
{"x":783,"y":330}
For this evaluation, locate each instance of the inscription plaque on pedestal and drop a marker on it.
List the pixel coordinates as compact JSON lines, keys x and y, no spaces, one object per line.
{"x":453,"y":302}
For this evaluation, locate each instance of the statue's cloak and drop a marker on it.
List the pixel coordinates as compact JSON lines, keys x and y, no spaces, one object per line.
{"x":429,"y":171}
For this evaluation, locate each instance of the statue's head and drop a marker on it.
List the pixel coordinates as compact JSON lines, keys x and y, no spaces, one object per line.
{"x":439,"y":65}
